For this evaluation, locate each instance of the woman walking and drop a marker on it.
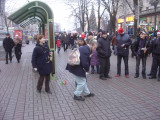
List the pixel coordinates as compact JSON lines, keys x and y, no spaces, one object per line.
{"x":18,"y":46}
{"x":41,"y":61}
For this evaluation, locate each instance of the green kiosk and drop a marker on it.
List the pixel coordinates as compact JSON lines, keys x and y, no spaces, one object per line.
{"x":40,"y":13}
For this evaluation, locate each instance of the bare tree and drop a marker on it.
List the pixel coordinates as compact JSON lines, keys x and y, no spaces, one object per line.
{"x":80,"y":10}
{"x":112,"y":8}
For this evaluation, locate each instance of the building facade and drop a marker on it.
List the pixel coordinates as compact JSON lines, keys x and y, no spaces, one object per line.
{"x":146,"y":16}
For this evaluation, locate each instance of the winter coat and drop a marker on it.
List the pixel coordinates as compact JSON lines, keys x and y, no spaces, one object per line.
{"x":83,"y":36}
{"x":103,"y":49}
{"x":71,"y":40}
{"x":41,"y":59}
{"x":8,"y":44}
{"x":155,"y":47}
{"x":136,"y":47}
{"x":58,"y":42}
{"x":114,"y":40}
{"x":80,"y":70}
{"x":94,"y":58}
{"x":64,"y":38}
{"x":123,"y":39}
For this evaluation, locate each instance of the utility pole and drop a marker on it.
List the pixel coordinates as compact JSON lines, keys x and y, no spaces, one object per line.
{"x":124,"y":10}
{"x":138,"y":15}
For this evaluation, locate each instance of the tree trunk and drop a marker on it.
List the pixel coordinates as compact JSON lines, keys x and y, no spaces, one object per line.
{"x":135,"y":20}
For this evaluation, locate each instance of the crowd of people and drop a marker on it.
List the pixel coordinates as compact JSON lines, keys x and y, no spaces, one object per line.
{"x":95,"y":51}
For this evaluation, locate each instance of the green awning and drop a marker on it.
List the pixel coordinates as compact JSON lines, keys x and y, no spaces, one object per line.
{"x":30,"y":11}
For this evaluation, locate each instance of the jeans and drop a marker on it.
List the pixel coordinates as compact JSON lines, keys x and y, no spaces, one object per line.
{"x":104,"y":66}
{"x":65,"y":46}
{"x":59,"y":48}
{"x":81,"y":86}
{"x":119,"y":59}
{"x":92,"y":69}
{"x":10,"y":55}
{"x":115,"y":49}
{"x":138,"y":59}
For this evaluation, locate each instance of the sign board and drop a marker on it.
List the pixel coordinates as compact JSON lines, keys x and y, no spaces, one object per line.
{"x":19,"y":33}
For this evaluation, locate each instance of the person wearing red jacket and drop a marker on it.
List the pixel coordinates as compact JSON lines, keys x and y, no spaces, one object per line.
{"x":58,"y":42}
{"x":83,"y":35}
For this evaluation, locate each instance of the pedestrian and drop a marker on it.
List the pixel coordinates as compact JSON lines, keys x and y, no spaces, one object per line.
{"x":99,"y":34}
{"x":123,"y":43}
{"x":41,"y":61}
{"x":83,"y":35}
{"x":114,"y":43}
{"x":80,"y":42}
{"x":95,"y":62}
{"x":8,"y":44}
{"x":104,"y":53}
{"x":79,"y":71}
{"x":58,"y":42}
{"x":89,"y":37}
{"x":141,"y":47}
{"x":64,"y":38}
{"x":18,"y":46}
{"x":155,"y":49}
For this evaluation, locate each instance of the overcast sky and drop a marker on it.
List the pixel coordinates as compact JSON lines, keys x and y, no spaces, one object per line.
{"x":60,"y":10}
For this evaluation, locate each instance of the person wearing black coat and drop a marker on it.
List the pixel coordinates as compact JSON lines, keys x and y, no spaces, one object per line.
{"x":8,"y":44}
{"x":104,"y":53}
{"x":41,"y":61}
{"x":79,"y":71}
{"x":123,"y":43}
{"x":155,"y":49}
{"x":141,"y":49}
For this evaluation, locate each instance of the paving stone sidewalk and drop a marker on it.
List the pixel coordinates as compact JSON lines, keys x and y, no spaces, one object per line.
{"x":116,"y":98}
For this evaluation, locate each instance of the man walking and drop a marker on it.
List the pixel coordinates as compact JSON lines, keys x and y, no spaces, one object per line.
{"x":79,"y":71}
{"x":8,"y":44}
{"x":140,"y":50}
{"x":65,"y":41}
{"x":104,"y":53}
{"x":123,"y":43}
{"x":155,"y":49}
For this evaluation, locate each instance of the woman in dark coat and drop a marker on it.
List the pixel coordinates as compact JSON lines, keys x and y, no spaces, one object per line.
{"x":41,"y":61}
{"x":18,"y":46}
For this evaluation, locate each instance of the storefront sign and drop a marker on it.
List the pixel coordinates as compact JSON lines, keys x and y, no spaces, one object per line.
{"x":19,"y":33}
{"x":120,"y":20}
{"x":129,"y":19}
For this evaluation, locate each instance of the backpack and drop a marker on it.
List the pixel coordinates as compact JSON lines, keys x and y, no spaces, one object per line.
{"x":74,"y":57}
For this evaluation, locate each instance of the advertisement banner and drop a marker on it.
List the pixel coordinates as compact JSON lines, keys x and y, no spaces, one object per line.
{"x":19,"y":33}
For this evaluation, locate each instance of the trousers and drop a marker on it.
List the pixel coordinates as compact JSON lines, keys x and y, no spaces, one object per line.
{"x":8,"y":53}
{"x":40,"y":82}
{"x":138,"y":59}
{"x":81,"y":86}
{"x":119,"y":59}
{"x":104,"y":66}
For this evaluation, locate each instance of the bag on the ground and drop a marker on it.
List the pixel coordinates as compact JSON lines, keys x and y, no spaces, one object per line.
{"x":74,"y":57}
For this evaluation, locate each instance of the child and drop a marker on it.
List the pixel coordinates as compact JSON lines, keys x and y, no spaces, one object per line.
{"x":95,"y":62}
{"x":58,"y":42}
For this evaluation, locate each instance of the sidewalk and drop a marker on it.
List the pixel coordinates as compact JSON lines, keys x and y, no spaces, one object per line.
{"x":115,"y":99}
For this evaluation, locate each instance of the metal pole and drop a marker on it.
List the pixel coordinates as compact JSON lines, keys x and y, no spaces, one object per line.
{"x":138,"y":16}
{"x":124,"y":10}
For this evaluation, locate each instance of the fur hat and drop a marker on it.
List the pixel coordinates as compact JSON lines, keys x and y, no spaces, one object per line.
{"x":104,"y":32}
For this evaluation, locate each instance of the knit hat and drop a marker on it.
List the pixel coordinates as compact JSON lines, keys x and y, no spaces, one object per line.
{"x":158,"y":33}
{"x":104,"y":32}
{"x":100,"y":30}
{"x":120,"y":30}
{"x":90,"y":33}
